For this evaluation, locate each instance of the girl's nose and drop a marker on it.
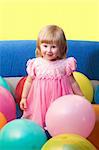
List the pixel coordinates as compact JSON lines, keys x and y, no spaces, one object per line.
{"x":49,"y":49}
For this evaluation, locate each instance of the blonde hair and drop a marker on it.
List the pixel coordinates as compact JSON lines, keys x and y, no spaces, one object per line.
{"x":52,"y":34}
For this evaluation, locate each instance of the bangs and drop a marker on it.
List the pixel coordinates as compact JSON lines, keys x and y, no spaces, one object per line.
{"x":49,"y":37}
{"x":50,"y":41}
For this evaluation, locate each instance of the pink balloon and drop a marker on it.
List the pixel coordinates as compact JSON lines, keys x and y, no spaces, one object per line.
{"x":7,"y":104}
{"x":70,"y":114}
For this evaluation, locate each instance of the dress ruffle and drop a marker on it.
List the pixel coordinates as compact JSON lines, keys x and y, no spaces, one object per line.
{"x":30,"y":67}
{"x":71,"y":65}
{"x":46,"y":69}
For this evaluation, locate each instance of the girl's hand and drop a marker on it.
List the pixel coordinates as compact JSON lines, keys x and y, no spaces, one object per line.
{"x":23,"y":104}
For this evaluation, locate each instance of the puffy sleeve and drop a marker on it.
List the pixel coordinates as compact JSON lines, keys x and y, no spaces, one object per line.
{"x":71,"y":65}
{"x":30,"y":67}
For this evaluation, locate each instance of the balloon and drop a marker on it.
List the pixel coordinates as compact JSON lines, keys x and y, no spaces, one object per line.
{"x":96,"y":95}
{"x":19,"y":112}
{"x":7,"y":104}
{"x":94,"y":136}
{"x":19,"y":89}
{"x":3,"y":120}
{"x":70,"y":114}
{"x":68,"y":142}
{"x":85,"y":85}
{"x":4,"y":84}
{"x":22,"y":134}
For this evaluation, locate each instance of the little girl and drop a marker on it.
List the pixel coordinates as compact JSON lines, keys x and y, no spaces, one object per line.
{"x":50,"y":75}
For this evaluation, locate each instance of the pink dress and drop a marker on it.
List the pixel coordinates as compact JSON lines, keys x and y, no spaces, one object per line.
{"x":50,"y":81}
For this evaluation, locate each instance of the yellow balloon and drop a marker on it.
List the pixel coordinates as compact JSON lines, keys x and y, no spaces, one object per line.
{"x":85,"y":85}
{"x":68,"y":141}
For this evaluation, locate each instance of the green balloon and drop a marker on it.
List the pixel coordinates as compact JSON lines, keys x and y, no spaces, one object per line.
{"x":22,"y":134}
{"x":4,"y":84}
{"x":68,"y":142}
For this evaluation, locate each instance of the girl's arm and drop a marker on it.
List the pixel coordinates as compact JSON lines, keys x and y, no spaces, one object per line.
{"x":75,"y":86}
{"x":25,"y":92}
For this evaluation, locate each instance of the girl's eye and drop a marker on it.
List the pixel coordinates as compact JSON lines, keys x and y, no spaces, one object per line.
{"x":45,"y":46}
{"x":53,"y":46}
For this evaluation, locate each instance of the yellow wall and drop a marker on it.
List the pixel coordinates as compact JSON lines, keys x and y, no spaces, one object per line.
{"x":22,"y":19}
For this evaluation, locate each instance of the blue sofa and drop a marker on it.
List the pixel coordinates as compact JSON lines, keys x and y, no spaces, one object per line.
{"x":14,"y":55}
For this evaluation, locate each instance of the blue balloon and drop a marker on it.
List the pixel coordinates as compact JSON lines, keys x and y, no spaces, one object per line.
{"x":19,"y":112}
{"x":22,"y":134}
{"x":4,"y":84}
{"x":96,"y":95}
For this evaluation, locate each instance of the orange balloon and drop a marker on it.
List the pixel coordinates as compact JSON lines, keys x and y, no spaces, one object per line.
{"x":3,"y":120}
{"x":94,"y":136}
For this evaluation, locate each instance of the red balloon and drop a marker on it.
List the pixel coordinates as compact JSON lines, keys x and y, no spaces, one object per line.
{"x":19,"y":89}
{"x":94,"y":136}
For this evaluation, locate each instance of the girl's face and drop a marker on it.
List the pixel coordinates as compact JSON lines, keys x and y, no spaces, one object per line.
{"x":50,"y":51}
